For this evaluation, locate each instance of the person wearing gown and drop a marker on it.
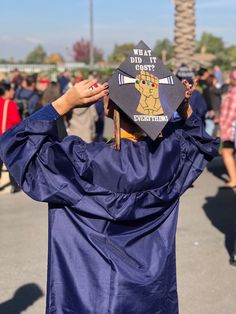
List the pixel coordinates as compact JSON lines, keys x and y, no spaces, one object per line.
{"x":112,"y":214}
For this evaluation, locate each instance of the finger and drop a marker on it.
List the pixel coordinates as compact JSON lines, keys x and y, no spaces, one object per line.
{"x":187,"y":94}
{"x":90,"y":83}
{"x":85,"y":84}
{"x":195,"y":83}
{"x":101,"y":88}
{"x":94,"y":98}
{"x":186,"y":83}
{"x":95,"y":89}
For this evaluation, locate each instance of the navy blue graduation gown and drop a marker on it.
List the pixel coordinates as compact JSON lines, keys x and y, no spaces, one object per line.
{"x":112,"y":214}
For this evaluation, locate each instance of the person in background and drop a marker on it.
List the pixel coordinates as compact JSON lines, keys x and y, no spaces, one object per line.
{"x":227,"y":132}
{"x":42,"y":82}
{"x":215,"y":99}
{"x":2,"y":78}
{"x":203,"y":87}
{"x":64,"y":80}
{"x":78,"y":77}
{"x":51,"y":93}
{"x":27,"y":96}
{"x":16,"y":79}
{"x":228,"y":137}
{"x":93,"y":75}
{"x":9,"y":117}
{"x":219,"y":76}
{"x":82,"y":122}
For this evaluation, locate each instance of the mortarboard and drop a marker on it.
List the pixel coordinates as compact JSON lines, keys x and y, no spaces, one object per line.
{"x":185,"y":73}
{"x":146,"y":90}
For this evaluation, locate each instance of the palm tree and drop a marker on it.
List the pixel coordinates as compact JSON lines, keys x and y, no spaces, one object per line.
{"x":184,"y":43}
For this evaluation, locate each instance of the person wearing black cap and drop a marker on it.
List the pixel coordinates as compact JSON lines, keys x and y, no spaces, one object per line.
{"x":113,"y":206}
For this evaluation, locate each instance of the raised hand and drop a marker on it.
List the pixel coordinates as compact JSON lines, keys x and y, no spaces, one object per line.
{"x":184,"y":109}
{"x":84,"y":93}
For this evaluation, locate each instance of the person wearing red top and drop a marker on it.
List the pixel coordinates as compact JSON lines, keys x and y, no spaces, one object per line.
{"x":227,"y":131}
{"x":9,"y":117}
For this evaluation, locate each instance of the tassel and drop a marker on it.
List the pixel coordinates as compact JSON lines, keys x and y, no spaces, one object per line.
{"x":116,"y":131}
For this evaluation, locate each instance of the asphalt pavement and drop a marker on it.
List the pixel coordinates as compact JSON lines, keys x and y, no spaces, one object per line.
{"x":206,"y":280}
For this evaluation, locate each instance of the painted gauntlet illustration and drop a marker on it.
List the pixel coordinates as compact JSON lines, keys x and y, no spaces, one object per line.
{"x":148,"y":86}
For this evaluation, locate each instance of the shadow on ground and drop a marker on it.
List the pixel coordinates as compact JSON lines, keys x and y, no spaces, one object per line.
{"x":23,"y":298}
{"x":217,"y":168}
{"x":5,"y":186}
{"x":221,"y":208}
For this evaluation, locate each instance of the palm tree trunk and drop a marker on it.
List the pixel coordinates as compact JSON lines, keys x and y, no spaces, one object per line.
{"x":184,"y":43}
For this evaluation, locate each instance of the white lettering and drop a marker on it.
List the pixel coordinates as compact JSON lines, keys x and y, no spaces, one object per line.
{"x":136,"y":60}
{"x":153,"y":59}
{"x":147,"y":53}
{"x":140,"y":52}
{"x":146,"y":118}
{"x":145,"y":67}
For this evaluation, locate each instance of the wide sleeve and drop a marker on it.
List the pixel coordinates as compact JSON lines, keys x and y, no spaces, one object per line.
{"x":197,"y":148}
{"x":45,"y":168}
{"x":198,"y":104}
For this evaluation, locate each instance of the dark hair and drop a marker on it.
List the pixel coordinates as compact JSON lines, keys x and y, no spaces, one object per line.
{"x":202,"y":71}
{"x":211,"y":79}
{"x":4,"y":87}
{"x":51,"y":93}
{"x":30,"y":80}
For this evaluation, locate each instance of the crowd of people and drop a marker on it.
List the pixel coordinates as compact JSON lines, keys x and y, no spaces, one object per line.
{"x":214,"y":101}
{"x":22,"y":94}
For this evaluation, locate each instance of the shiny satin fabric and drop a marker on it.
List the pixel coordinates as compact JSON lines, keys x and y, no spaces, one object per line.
{"x":112,"y":215}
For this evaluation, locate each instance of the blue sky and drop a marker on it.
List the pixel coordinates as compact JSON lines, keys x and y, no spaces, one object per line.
{"x":57,"y":24}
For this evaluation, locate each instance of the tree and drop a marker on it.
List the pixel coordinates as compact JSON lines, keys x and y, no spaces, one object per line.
{"x":121,"y":52}
{"x":211,"y":43}
{"x":37,"y":56}
{"x":231,"y":52}
{"x":164,"y":49}
{"x":184,"y":42}
{"x":4,"y":61}
{"x":54,"y":58}
{"x":81,"y":52}
{"x":226,"y":58}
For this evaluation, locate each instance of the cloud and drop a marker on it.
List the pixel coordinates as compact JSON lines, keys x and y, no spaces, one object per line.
{"x":5,"y":39}
{"x":34,"y":41}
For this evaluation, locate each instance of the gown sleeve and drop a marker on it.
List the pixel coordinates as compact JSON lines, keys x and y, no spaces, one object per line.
{"x":45,"y":168}
{"x":197,"y":148}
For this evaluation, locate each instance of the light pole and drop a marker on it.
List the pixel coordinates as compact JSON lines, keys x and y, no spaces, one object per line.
{"x":91,"y":51}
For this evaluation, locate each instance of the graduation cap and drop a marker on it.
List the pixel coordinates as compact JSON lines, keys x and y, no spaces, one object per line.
{"x":146,"y":90}
{"x":185,"y":73}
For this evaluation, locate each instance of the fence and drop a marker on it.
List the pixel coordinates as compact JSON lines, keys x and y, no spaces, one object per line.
{"x":36,"y":68}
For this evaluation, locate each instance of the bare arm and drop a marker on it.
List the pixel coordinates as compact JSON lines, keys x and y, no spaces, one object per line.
{"x":184,"y":109}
